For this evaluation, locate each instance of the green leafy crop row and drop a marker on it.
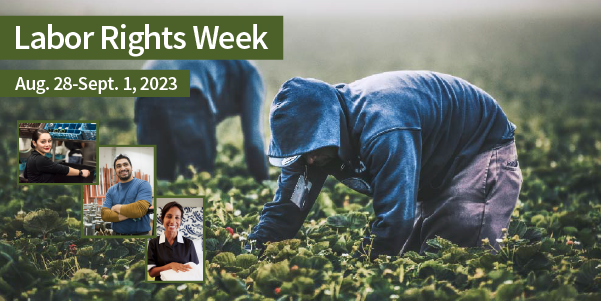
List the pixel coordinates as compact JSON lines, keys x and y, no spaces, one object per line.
{"x":545,"y":74}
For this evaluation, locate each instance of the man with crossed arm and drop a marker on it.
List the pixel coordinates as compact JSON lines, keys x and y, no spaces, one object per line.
{"x":127,"y":202}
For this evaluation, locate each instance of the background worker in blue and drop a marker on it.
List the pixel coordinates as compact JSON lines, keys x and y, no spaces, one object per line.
{"x":436,"y":153}
{"x":183,"y":128}
{"x":127,"y":202}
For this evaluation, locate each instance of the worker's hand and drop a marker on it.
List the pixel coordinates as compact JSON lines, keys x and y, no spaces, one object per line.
{"x":177,"y":267}
{"x":116,"y":208}
{"x":85,"y":173}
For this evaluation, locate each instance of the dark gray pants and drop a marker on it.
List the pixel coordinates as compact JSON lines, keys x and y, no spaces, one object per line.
{"x":476,"y":204}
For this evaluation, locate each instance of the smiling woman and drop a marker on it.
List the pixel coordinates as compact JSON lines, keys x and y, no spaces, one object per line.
{"x":40,"y":169}
{"x":171,"y":251}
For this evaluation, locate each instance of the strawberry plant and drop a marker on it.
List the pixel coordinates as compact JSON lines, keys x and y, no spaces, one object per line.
{"x":544,"y":72}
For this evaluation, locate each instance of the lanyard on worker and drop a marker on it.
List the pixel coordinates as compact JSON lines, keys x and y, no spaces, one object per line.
{"x":301,"y":190}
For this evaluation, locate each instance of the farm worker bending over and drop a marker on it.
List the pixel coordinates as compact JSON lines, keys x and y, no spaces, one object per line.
{"x":436,"y":153}
{"x":127,"y":202}
{"x":183,"y":128}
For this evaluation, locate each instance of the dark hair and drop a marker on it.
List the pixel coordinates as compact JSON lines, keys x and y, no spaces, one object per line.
{"x":36,"y":136}
{"x":121,"y":156}
{"x":168,"y":206}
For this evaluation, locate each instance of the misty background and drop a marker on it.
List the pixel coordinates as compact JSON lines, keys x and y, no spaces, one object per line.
{"x":539,"y":59}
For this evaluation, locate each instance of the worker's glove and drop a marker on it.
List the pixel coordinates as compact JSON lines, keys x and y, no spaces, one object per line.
{"x":256,"y":245}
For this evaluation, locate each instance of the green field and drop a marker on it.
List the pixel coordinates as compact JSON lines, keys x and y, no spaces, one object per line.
{"x":544,"y":71}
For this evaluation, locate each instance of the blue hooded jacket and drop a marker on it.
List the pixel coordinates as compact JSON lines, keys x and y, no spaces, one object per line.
{"x":230,"y":88}
{"x":397,"y":134}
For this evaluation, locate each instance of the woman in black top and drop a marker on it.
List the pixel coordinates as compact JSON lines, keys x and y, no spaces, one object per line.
{"x":170,"y":251}
{"x":40,"y":169}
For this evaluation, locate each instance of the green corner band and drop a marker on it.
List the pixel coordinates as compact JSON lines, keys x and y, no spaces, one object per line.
{"x":141,"y":37}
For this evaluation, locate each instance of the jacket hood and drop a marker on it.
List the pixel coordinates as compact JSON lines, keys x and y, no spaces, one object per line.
{"x":305,"y":115}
